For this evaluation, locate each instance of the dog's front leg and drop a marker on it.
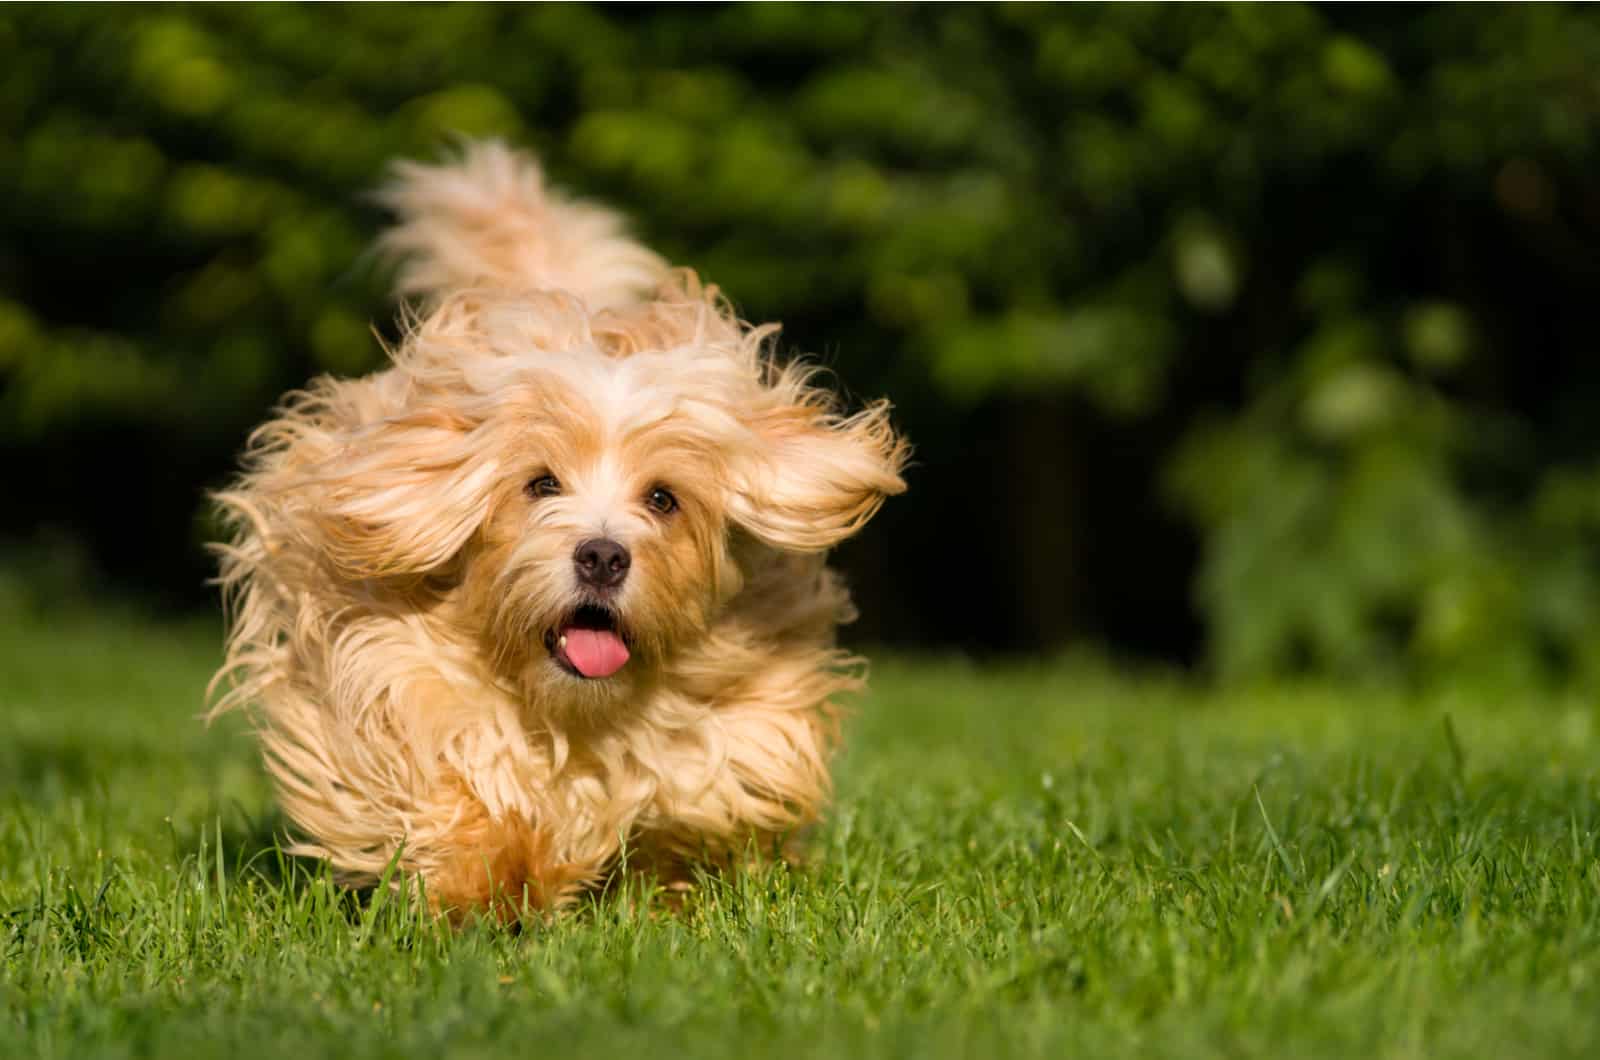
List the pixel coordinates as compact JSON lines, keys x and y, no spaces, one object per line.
{"x":503,"y":867}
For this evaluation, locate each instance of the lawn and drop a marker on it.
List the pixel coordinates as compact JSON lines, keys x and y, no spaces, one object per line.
{"x":1046,"y":859}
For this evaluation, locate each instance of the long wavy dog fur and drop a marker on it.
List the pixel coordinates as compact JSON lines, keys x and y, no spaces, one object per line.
{"x":408,"y":589}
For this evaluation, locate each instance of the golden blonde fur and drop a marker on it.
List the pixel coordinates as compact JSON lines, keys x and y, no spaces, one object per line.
{"x":391,"y":582}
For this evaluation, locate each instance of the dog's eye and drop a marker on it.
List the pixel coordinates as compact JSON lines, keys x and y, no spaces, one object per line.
{"x":544,"y":486}
{"x":661,"y":501}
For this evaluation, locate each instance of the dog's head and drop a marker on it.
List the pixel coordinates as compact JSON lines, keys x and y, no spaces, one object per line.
{"x":582,"y":494}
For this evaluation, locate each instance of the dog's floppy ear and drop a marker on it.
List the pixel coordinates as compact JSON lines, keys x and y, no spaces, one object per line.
{"x":397,"y":497}
{"x":817,"y":476}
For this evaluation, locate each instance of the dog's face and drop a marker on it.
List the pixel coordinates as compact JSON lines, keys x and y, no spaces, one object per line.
{"x":583,"y":492}
{"x":606,"y":544}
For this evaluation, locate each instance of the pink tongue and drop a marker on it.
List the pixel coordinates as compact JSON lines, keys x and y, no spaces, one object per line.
{"x":594,"y":652}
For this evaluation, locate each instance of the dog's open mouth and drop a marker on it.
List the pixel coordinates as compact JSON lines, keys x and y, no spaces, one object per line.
{"x":588,"y":643}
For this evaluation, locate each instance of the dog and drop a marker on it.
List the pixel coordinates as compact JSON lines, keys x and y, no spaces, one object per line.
{"x":552,"y":585}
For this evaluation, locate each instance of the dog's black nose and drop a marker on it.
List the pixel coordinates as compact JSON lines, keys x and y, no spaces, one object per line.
{"x":602,"y":563}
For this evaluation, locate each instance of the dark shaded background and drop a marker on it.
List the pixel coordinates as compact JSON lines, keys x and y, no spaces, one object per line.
{"x":1261,"y":337}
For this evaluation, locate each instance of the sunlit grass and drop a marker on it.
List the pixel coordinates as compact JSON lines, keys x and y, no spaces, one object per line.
{"x":1041,"y":860}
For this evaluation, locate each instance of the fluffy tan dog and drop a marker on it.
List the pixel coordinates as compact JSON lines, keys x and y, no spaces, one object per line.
{"x":554,"y":581}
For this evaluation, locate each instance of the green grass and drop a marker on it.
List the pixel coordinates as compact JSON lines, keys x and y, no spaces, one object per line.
{"x":1039,"y":860}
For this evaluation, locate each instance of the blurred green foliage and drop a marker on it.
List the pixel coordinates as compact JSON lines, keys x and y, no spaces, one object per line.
{"x":1327,"y":272}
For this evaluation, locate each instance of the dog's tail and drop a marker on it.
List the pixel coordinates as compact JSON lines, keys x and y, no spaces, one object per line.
{"x":486,"y":218}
